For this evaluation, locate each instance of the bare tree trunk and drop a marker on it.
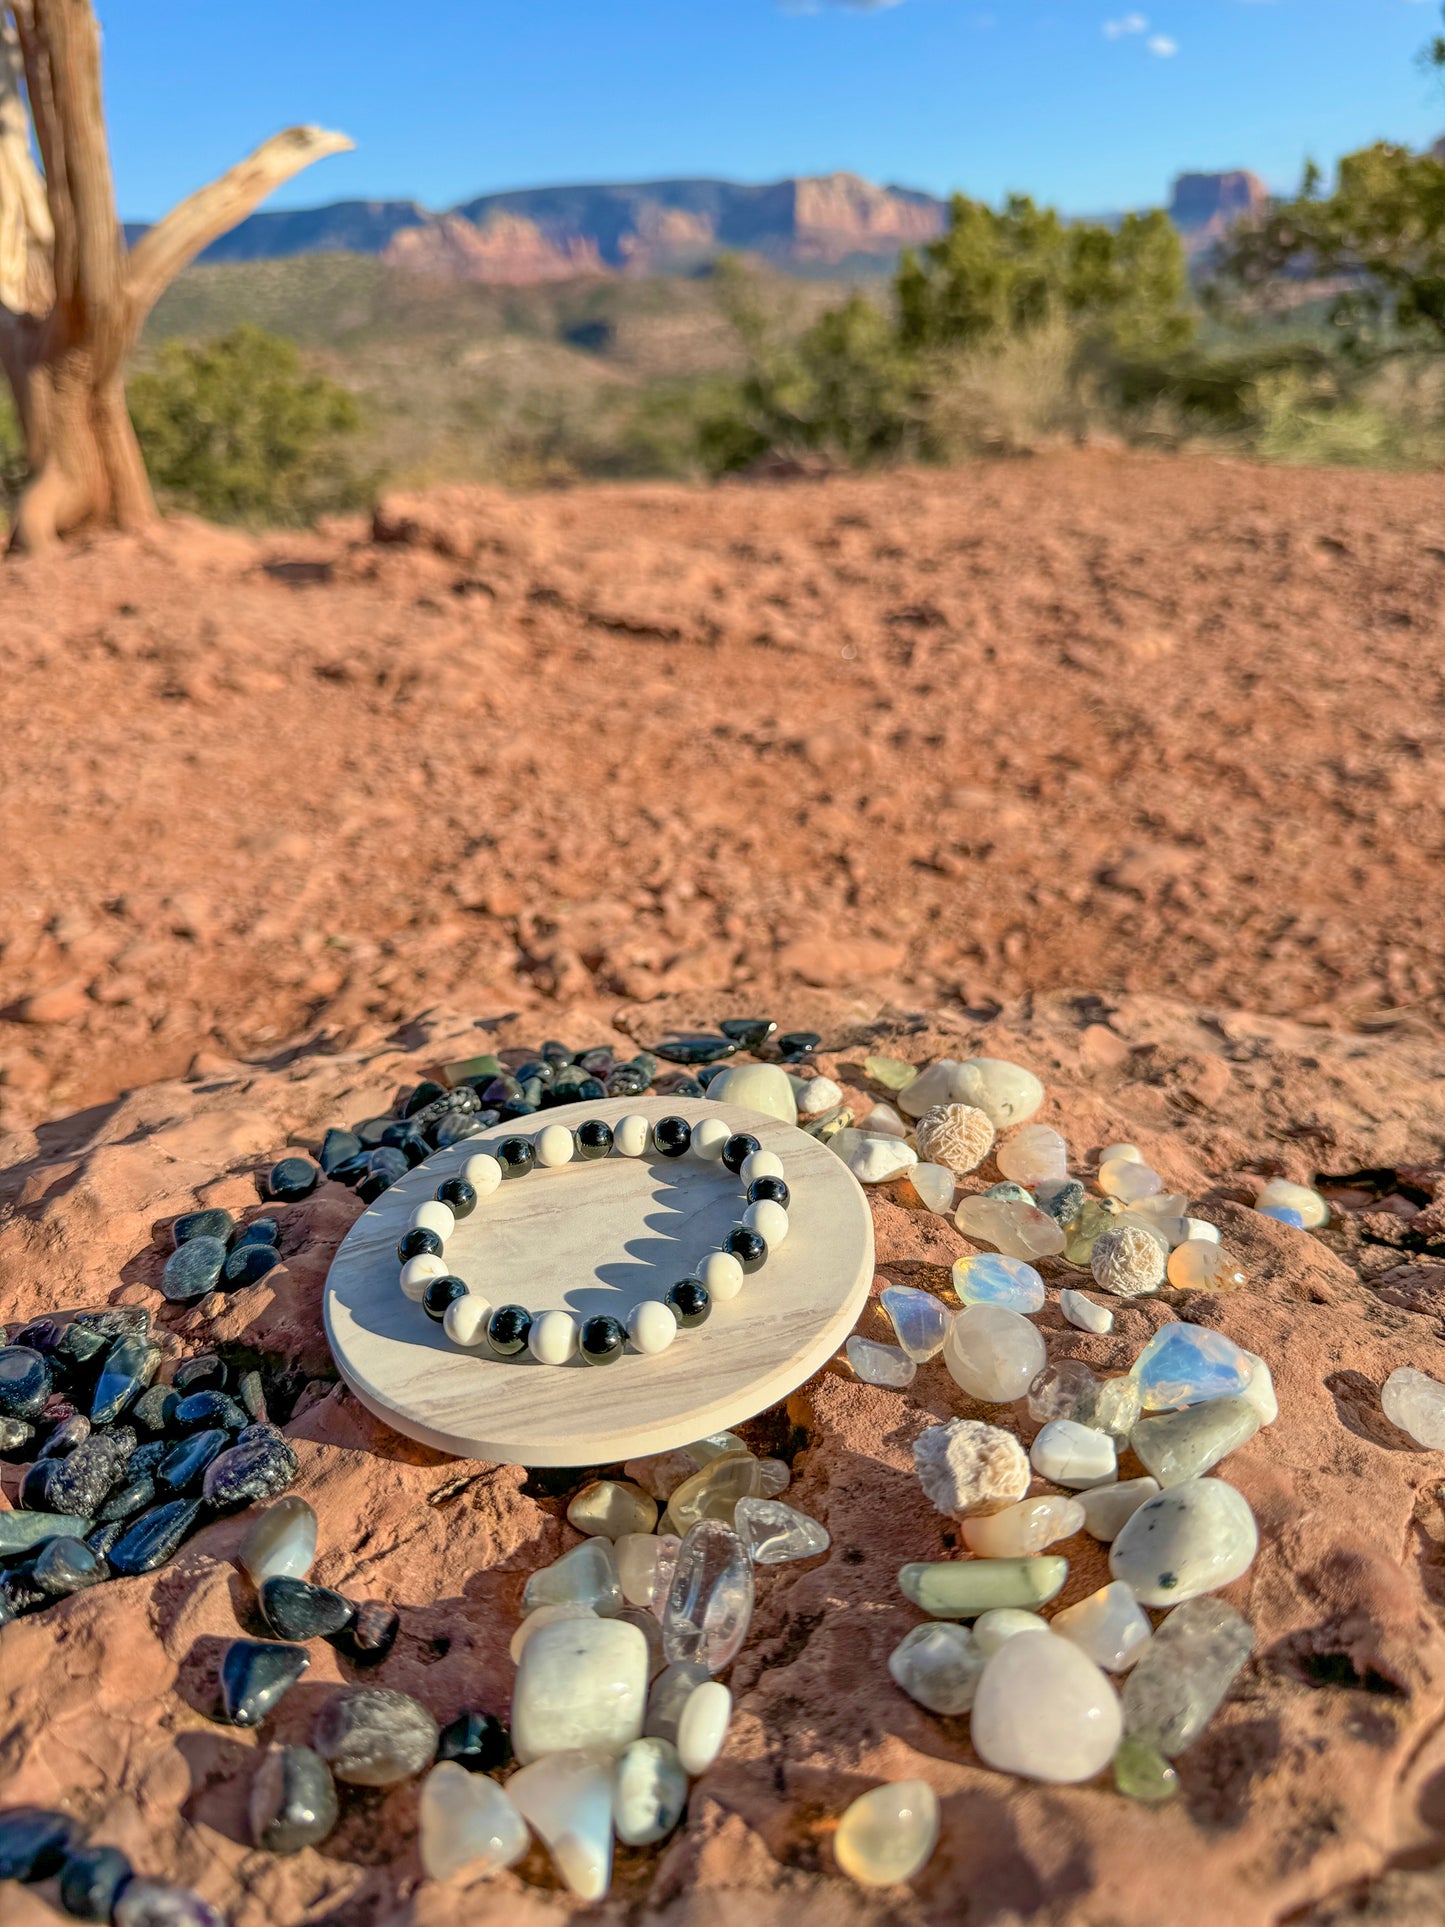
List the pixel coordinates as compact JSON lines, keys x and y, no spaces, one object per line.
{"x":72,"y":309}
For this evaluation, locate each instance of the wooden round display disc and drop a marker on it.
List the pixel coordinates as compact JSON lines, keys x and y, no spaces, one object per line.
{"x":597,"y":1236}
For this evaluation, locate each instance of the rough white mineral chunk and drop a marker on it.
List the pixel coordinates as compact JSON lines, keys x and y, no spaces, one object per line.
{"x":1416,"y":1403}
{"x":817,"y":1095}
{"x":967,"y":1467}
{"x":955,"y":1135}
{"x":1043,"y":1709}
{"x":1129,"y":1262}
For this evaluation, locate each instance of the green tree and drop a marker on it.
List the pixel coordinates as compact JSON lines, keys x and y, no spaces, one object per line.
{"x":237,"y":430}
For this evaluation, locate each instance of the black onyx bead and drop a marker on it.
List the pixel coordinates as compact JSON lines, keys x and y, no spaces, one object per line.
{"x":516,"y":1156}
{"x":508,"y":1329}
{"x":256,"y":1674}
{"x":477,"y":1741}
{"x":747,"y":1247}
{"x":420,"y":1242}
{"x":594,"y":1138}
{"x":458,"y":1196}
{"x":748,"y":1032}
{"x":771,"y":1188}
{"x":248,"y":1265}
{"x":91,"y":1881}
{"x":601,"y":1340}
{"x":295,"y":1610}
{"x":798,"y":1044}
{"x":690,"y":1301}
{"x":439,"y":1294}
{"x":292,"y":1178}
{"x":34,"y":1841}
{"x":24,"y":1382}
{"x":738,"y":1149}
{"x":672,"y":1135}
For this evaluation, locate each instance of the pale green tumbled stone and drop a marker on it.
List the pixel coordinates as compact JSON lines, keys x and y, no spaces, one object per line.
{"x":893,"y":1073}
{"x":887,"y":1834}
{"x":1142,"y":1773}
{"x":1175,"y":1446}
{"x":960,"y":1588}
{"x":757,"y":1087}
{"x":587,"y":1574}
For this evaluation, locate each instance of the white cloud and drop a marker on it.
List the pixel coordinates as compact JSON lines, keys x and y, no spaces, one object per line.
{"x":1126,"y":24}
{"x":1162,"y":47}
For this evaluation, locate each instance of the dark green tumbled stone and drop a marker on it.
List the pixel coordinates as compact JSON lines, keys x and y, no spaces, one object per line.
{"x":34,"y":1842}
{"x":211,"y":1223}
{"x":183,"y":1467}
{"x":193,"y":1268}
{"x":130,"y":1365}
{"x":153,"y":1538}
{"x":256,"y":1675}
{"x":248,"y":1265}
{"x":91,"y":1881}
{"x":748,"y":1032}
{"x":25,"y":1382}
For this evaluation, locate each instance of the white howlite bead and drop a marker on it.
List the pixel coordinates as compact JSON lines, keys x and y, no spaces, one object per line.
{"x":466,"y":1318}
{"x":555,"y":1146}
{"x":482,"y":1172}
{"x":722,"y":1274}
{"x":417,"y":1273}
{"x":651,"y":1326}
{"x":708,"y":1139}
{"x":553,"y":1337}
{"x":703,"y":1725}
{"x":761,"y":1164}
{"x":630,"y":1136}
{"x":434,"y":1216}
{"x":768,"y":1218}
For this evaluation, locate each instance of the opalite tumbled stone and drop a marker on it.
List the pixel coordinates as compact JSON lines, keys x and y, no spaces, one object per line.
{"x":888,"y":1833}
{"x":1188,"y":1364}
{"x":608,"y":1508}
{"x":566,"y":1798}
{"x":710,"y":1601}
{"x":545,"y":1616}
{"x":935,"y":1185}
{"x":880,"y":1364}
{"x":280,"y":1543}
{"x":1044,"y":1710}
{"x":757,"y":1087}
{"x":874,"y":1160}
{"x":919,"y":1319}
{"x":1106,"y":1507}
{"x":1018,"y":1230}
{"x":580,"y":1683}
{"x":1192,"y":1539}
{"x":987,"y":1278}
{"x":1416,"y":1403}
{"x":586,"y":1574}
{"x":1110,"y":1626}
{"x":713,"y":1492}
{"x":775,"y":1534}
{"x":703,"y":1724}
{"x":649,"y":1792}
{"x":467,"y":1820}
{"x":1074,"y":1455}
{"x":938,"y":1665}
{"x":1201,"y":1265}
{"x":1184,"y":1673}
{"x":991,"y":1629}
{"x":638,"y":1555}
{"x":967,"y":1468}
{"x":1176,"y":1446}
{"x":1022,"y":1529}
{"x":1033,"y":1155}
{"x":994,"y":1354}
{"x":1083,"y":1313}
{"x":1296,"y":1197}
{"x":961,"y":1588}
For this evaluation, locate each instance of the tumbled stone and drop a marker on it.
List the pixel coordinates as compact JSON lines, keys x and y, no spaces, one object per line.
{"x":1176,"y":1446}
{"x":477,"y":1741}
{"x":183,"y":1467}
{"x":1128,"y":1179}
{"x":1192,"y":1539}
{"x":256,"y":1674}
{"x":702,"y":1725}
{"x":151,"y":1903}
{"x":542,"y":1616}
{"x":371,"y":1634}
{"x":260,"y":1464}
{"x":1035,"y":1155}
{"x":887,"y":1834}
{"x":25,"y":1382}
{"x":1416,"y":1403}
{"x":1095,"y":1217}
{"x":1074,"y":1455}
{"x":1189,"y":1365}
{"x":637,"y":1559}
{"x":130,"y":1365}
{"x":580,"y":1683}
{"x":873,"y":1160}
{"x":19,"y":1531}
{"x":1142,"y":1773}
{"x":213,"y":1222}
{"x":1083,"y":1313}
{"x":193,"y":1269}
{"x":16,"y":1434}
{"x":1116,"y":1407}
{"x":375,"y":1736}
{"x":935,"y":1186}
{"x":1260,"y":1390}
{"x":280,"y":1543}
{"x":1311,"y":1207}
{"x":1109,"y":1625}
{"x":91,"y":1881}
{"x":608,"y":1508}
{"x":987,"y":1278}
{"x":467,"y":1821}
{"x":713,"y":1492}
{"x":1044,"y":1710}
{"x":587,"y":1574}
{"x":649,"y":1625}
{"x":155,"y":1408}
{"x":1006,"y":1093}
{"x":68,"y":1565}
{"x":939,"y":1666}
{"x":79,"y":1483}
{"x":961,"y":1588}
{"x":1022,"y":1529}
{"x":1063,"y":1199}
{"x":1018,"y":1230}
{"x":292,"y":1802}
{"x":919,"y":1319}
{"x":967,"y":1467}
{"x":566,"y":1798}
{"x":649,"y":1792}
{"x":710,"y":1601}
{"x":775,"y":1534}
{"x":669,"y":1693}
{"x":1128,"y":1261}
{"x":1201,"y":1265}
{"x":991,"y":1629}
{"x":153,"y":1538}
{"x":34,"y":1842}
{"x":1106,"y":1507}
{"x":294,"y":1609}
{"x":893,"y":1073}
{"x":1184,"y":1673}
{"x":994,"y":1354}
{"x":1065,"y":1388}
{"x":880,"y":1364}
{"x":757,"y":1087}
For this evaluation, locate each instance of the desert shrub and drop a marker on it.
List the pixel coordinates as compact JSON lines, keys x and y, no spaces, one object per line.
{"x":12,"y":462}
{"x":238,"y":430}
{"x":1012,"y":395}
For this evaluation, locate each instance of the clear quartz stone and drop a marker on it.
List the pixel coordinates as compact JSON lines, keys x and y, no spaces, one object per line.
{"x":608,"y":1508}
{"x":993,"y":1354}
{"x":1018,"y":1230}
{"x":586,"y":1574}
{"x":710,"y":1602}
{"x":1044,"y":1710}
{"x":935,"y":1185}
{"x":888,"y":1833}
{"x":988,"y":1278}
{"x":880,"y":1364}
{"x":713,"y":1492}
{"x":649,"y":1792}
{"x":1188,"y":1364}
{"x":670,"y":1692}
{"x":919,"y":1319}
{"x":1116,"y":1407}
{"x":1034,"y":1155}
{"x":1184,"y":1673}
{"x":939,"y":1666}
{"x":566,"y":1798}
{"x":1022,"y":1529}
{"x":580,"y":1683}
{"x":280,"y":1543}
{"x":775,"y":1534}
{"x":1065,"y":1388}
{"x":1110,"y":1626}
{"x":1191,"y":1539}
{"x":467,"y":1820}
{"x":774,"y":1476}
{"x":1416,"y":1403}
{"x":1175,"y":1446}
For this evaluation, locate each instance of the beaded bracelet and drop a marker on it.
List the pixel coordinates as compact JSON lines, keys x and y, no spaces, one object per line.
{"x":552,"y":1336}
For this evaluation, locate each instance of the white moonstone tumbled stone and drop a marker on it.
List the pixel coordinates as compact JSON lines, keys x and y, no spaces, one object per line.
{"x":417,"y":1273}
{"x":1194,"y":1538}
{"x":1123,"y":1151}
{"x":883,"y":1121}
{"x":631,"y":1135}
{"x":768,"y":1218}
{"x":610,"y":1508}
{"x":1083,"y":1313}
{"x":1110,"y":1626}
{"x":433,"y":1215}
{"x":1416,"y":1403}
{"x":775,"y":1533}
{"x":759,"y":1164}
{"x":703,"y":1725}
{"x":722,"y":1274}
{"x":482,"y":1172}
{"x":1106,"y":1507}
{"x":920,"y":1320}
{"x":652,"y":1325}
{"x":1296,"y":1197}
{"x":939,"y":1666}
{"x":566,"y":1798}
{"x":874,"y":1160}
{"x":1074,"y":1455}
{"x":580,"y":1683}
{"x":935,"y":1185}
{"x":588,"y":1573}
{"x":1034,"y":1154}
{"x":880,"y":1364}
{"x":1025,"y":1528}
{"x":545,"y":1616}
{"x":757,"y":1087}
{"x":555,"y":1146}
{"x":817,"y":1095}
{"x":1044,"y":1710}
{"x":993,"y":1354}
{"x":467,"y":1820}
{"x":280,"y":1543}
{"x":465,"y":1322}
{"x":991,"y":1629}
{"x":553,"y":1337}
{"x":888,"y":1833}
{"x":649,"y":1793}
{"x":1200,"y":1231}
{"x":967,"y":1468}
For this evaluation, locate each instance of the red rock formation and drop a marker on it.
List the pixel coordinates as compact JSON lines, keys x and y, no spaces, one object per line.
{"x":507,"y":250}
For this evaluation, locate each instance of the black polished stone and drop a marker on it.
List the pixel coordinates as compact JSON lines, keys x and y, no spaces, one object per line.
{"x":601,"y":1340}
{"x":70,"y":1432}
{"x":555,"y":1053}
{"x":501,"y":1089}
{"x":797,"y":1044}
{"x":153,"y":1538}
{"x":134,"y":1495}
{"x":400,"y":1133}
{"x":155,"y":1407}
{"x":256,"y":1675}
{"x":590,"y":1091}
{"x":292,"y":1179}
{"x":258,"y":1466}
{"x":34,"y":1842}
{"x":626,"y":1081}
{"x":80,"y":1349}
{"x":672,"y":1136}
{"x":211,"y":1223}
{"x":738,"y":1149}
{"x":773,"y":1189}
{"x":370,"y":1187}
{"x":508,"y":1329}
{"x":193,"y":1268}
{"x":458,"y":1196}
{"x":184,"y":1466}
{"x":369,"y":1130}
{"x":597,"y":1061}
{"x":455,"y":1127}
{"x":199,"y":1411}
{"x":25,"y":1382}
{"x":593,"y":1137}
{"x":114,"y":1321}
{"x":371,"y":1635}
{"x":293,"y":1800}
{"x":146,"y":1458}
{"x":516,"y":1155}
{"x":252,"y":1395}
{"x":68,"y":1565}
{"x":78,"y":1484}
{"x":708,"y":1073}
{"x":691,"y":1302}
{"x":748,"y":1032}
{"x":295,"y":1609}
{"x":204,"y":1373}
{"x":420,"y":1242}
{"x":427,"y":1092}
{"x":440,"y":1295}
{"x":40,"y":1335}
{"x":477,"y":1741}
{"x":101,"y":1538}
{"x":696,"y":1050}
{"x":338,"y":1148}
{"x":91,"y":1881}
{"x":130,"y":1365}
{"x":248,"y":1265}
{"x":260,"y":1231}
{"x":747,"y":1246}
{"x":680,"y":1084}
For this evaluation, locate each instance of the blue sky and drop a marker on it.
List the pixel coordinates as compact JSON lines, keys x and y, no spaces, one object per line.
{"x":1090,"y":104}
